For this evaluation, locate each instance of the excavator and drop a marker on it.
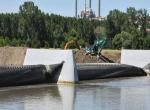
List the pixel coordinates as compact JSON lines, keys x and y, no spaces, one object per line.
{"x":72,"y":43}
{"x":97,"y":47}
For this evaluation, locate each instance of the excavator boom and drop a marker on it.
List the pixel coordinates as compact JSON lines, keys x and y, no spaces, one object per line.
{"x":72,"y":43}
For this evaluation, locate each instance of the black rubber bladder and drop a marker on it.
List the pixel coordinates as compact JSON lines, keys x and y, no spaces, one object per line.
{"x":29,"y":75}
{"x":101,"y":71}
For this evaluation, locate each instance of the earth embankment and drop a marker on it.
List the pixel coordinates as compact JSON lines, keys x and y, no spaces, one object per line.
{"x":16,"y":55}
{"x":113,"y":55}
{"x":12,"y":55}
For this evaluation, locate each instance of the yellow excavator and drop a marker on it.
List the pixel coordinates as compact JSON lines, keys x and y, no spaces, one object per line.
{"x":72,"y":43}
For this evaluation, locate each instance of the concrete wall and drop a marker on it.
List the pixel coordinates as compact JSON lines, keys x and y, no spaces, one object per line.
{"x":47,"y":57}
{"x":139,"y":58}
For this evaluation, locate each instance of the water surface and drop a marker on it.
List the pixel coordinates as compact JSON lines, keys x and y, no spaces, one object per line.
{"x":109,"y":94}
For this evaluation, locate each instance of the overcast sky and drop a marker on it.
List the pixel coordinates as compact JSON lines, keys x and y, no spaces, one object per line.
{"x":67,"y":7}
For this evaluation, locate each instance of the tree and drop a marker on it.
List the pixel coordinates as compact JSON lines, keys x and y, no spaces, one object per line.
{"x":147,"y":42}
{"x":33,"y":28}
{"x":122,"y":40}
{"x":100,"y":31}
{"x":59,"y":37}
{"x":115,"y":20}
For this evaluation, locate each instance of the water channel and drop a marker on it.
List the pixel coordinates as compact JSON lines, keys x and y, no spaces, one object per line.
{"x":108,"y":94}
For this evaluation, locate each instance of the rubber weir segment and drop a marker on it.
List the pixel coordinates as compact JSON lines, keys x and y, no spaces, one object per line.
{"x":29,"y":74}
{"x":91,"y":72}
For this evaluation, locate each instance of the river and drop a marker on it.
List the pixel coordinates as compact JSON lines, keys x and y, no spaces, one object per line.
{"x":108,"y":94}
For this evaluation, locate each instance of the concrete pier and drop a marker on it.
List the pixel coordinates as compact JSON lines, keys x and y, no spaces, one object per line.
{"x":46,"y":57}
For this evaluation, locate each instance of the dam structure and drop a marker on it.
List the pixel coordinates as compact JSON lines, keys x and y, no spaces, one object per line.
{"x":58,"y":66}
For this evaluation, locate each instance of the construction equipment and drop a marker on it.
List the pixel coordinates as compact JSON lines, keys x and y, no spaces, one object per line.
{"x":72,"y":43}
{"x":97,"y":47}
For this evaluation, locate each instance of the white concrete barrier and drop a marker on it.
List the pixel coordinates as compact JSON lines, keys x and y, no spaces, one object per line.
{"x":47,"y":57}
{"x":139,"y":58}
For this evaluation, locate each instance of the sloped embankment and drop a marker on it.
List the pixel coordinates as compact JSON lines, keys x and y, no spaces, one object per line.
{"x":12,"y":55}
{"x":16,"y":55}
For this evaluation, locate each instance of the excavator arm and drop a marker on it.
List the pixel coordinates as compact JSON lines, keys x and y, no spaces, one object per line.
{"x":72,"y":43}
{"x":102,"y":44}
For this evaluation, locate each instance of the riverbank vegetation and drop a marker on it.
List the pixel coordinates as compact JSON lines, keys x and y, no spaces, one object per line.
{"x":31,"y":27}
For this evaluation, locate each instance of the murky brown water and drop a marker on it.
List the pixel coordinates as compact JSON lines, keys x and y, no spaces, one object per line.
{"x":112,"y":94}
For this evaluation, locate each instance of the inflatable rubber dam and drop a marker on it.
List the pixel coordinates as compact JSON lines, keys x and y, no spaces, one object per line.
{"x":58,"y":66}
{"x":39,"y":74}
{"x":101,"y":71}
{"x":29,"y":75}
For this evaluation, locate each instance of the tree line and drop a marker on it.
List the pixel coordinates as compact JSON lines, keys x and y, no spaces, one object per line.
{"x":31,"y":27}
{"x":129,"y":29}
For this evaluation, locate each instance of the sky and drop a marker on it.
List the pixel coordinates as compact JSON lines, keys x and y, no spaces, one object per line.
{"x":67,"y":7}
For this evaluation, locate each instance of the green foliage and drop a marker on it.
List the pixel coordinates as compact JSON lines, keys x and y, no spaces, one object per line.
{"x":117,"y":42}
{"x":5,"y":41}
{"x":33,"y":28}
{"x":82,"y":43}
{"x":147,"y":42}
{"x":100,"y":31}
{"x":134,"y":22}
{"x":2,"y":41}
{"x":122,"y":40}
{"x":72,"y":35}
{"x":115,"y":22}
{"x":46,"y":45}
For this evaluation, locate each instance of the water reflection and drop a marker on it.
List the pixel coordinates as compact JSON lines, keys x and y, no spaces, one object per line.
{"x":37,"y":98}
{"x":23,"y":98}
{"x":97,"y":95}
{"x":68,"y":94}
{"x":107,"y":98}
{"x":97,"y":98}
